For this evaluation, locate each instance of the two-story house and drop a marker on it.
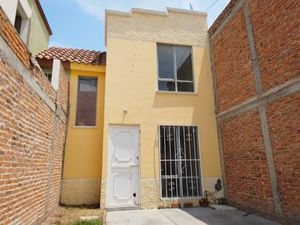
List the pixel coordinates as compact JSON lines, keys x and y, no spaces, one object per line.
{"x":142,"y":130}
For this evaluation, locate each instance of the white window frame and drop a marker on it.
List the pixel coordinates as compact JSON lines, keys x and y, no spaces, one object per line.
{"x":198,"y":172}
{"x":175,"y":80}
{"x":25,"y":13}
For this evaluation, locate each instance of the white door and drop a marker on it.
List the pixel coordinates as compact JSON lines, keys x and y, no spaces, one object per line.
{"x":123,"y":172}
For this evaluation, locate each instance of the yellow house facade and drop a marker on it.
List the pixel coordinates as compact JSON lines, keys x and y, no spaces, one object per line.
{"x":82,"y":164}
{"x":139,"y":107}
{"x":83,"y":153}
{"x":142,"y":128}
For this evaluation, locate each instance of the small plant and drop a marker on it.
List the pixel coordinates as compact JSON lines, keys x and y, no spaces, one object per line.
{"x":86,"y":222}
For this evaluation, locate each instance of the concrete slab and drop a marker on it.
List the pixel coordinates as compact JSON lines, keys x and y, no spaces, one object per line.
{"x":236,"y":217}
{"x":189,"y":216}
{"x":137,"y":217}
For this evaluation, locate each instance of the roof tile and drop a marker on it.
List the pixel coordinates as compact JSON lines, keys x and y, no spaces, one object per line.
{"x":73,"y":55}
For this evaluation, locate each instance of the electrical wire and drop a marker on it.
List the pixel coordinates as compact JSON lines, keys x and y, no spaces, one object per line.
{"x":211,"y":5}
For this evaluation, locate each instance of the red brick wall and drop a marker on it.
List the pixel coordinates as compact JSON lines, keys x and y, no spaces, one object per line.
{"x":232,"y":90}
{"x":247,"y":175}
{"x":277,"y":36}
{"x":284,"y":125}
{"x":275,"y":27}
{"x":31,"y":138}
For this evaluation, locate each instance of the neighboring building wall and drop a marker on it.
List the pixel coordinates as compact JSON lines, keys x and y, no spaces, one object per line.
{"x":32,"y":133}
{"x":22,"y":7}
{"x":131,"y":83}
{"x":256,"y":57}
{"x":83,"y":155}
{"x":38,"y":34}
{"x":10,"y":8}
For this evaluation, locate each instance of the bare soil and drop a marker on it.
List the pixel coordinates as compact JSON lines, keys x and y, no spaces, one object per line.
{"x":66,"y":215}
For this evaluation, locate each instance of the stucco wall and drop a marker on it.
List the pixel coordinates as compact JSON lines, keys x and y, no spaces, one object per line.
{"x":38,"y":33}
{"x":176,"y":26}
{"x":82,"y":166}
{"x":131,"y":83}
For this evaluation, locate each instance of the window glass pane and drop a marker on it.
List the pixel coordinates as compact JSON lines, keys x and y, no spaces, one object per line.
{"x":164,"y":187}
{"x":195,"y":143}
{"x":185,"y":87}
{"x":166,"y":85}
{"x":18,"y":22}
{"x":184,"y":63}
{"x":163,"y":154}
{"x":86,"y":101}
{"x":165,"y":61}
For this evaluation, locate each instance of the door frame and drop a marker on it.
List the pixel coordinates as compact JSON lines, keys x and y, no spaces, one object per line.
{"x":138,"y":126}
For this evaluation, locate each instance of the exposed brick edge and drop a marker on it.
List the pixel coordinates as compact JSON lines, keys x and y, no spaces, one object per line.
{"x":231,"y":5}
{"x":10,"y":35}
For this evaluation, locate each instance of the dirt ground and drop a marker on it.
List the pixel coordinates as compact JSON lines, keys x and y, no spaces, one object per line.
{"x":65,"y":215}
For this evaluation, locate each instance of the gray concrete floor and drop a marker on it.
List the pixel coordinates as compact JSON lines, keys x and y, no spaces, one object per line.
{"x":189,"y":216}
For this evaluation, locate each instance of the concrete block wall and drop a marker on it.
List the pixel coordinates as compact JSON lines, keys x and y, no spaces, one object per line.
{"x":255,"y":53}
{"x":33,"y":119}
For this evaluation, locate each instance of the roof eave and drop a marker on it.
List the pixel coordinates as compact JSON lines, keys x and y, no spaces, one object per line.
{"x":40,"y":8}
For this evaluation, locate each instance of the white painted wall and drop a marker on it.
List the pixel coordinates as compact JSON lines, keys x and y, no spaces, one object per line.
{"x":10,"y":8}
{"x":26,"y":8}
{"x":55,"y":74}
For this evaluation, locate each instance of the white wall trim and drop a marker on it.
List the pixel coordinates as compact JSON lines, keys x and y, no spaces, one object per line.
{"x":55,"y":74}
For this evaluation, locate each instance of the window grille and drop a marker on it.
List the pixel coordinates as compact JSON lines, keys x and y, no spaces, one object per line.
{"x":179,"y":161}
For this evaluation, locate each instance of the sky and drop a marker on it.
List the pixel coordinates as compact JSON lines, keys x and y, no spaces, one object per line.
{"x":80,"y":23}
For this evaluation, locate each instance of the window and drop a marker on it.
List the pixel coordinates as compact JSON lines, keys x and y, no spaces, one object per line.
{"x":175,"y":70}
{"x":48,"y":75}
{"x":86,"y":101}
{"x":179,"y":161}
{"x":22,"y":20}
{"x":18,"y":22}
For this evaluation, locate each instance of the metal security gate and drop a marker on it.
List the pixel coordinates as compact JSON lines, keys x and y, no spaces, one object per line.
{"x":179,"y":162}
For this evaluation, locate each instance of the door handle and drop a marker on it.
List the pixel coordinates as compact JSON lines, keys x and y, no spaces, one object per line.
{"x":134,"y":165}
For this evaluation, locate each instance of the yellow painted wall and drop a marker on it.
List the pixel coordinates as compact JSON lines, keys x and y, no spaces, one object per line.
{"x":131,"y":83}
{"x":83,"y":154}
{"x":38,"y":33}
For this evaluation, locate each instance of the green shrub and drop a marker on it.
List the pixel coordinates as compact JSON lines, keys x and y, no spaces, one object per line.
{"x":86,"y":222}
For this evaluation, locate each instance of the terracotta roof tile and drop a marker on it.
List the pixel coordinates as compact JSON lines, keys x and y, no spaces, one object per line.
{"x":73,"y":55}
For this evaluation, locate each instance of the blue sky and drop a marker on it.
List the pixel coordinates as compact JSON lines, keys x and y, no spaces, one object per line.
{"x":80,"y":23}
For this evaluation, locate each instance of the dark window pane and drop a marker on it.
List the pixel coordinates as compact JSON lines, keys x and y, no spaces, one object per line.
{"x":18,"y":22}
{"x":185,"y":87}
{"x":198,"y":184}
{"x":184,"y":187}
{"x":162,"y":143}
{"x":49,"y":76}
{"x":165,"y":61}
{"x":164,"y":188}
{"x":184,"y":63}
{"x":163,"y":168}
{"x":170,"y":142}
{"x":195,"y":138}
{"x":166,"y":86}
{"x":86,"y":101}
